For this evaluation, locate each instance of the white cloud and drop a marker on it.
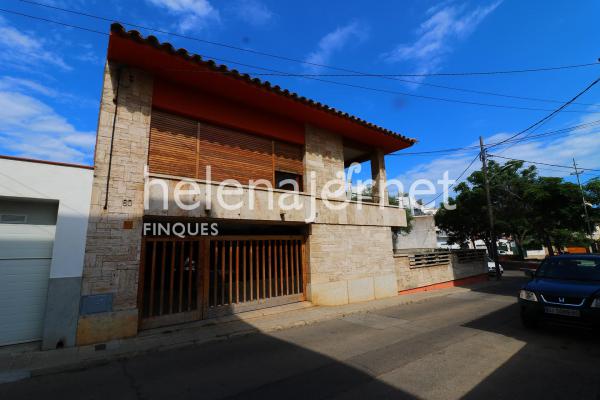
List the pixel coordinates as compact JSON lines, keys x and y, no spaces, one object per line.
{"x":446,"y":24}
{"x":434,"y":170}
{"x":193,"y":14}
{"x":583,"y":144}
{"x":11,"y":83}
{"x":252,"y":12}
{"x":31,"y":128}
{"x":27,"y":86}
{"x":335,"y":41}
{"x":89,"y":57}
{"x":20,"y":49}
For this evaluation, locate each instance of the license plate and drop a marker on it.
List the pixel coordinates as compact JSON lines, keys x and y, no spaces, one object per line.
{"x":562,"y":311}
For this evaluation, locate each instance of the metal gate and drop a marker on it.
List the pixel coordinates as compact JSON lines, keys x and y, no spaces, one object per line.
{"x":198,"y":277}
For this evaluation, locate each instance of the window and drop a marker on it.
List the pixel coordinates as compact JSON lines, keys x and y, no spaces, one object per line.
{"x":570,"y":268}
{"x":288,"y":181}
{"x":12,"y":219}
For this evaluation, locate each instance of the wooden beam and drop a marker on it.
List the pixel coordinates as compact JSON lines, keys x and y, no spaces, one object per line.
{"x":181,"y":271}
{"x":152,"y":274}
{"x":222,"y":272}
{"x":190,"y":263}
{"x":230,"y":272}
{"x":162,"y":277}
{"x":237,"y":271}
{"x":264,"y":279}
{"x":215,"y":268}
{"x":269,"y":268}
{"x":172,"y":276}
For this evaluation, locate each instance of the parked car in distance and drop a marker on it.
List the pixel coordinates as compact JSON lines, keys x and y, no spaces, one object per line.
{"x":492,"y":266}
{"x":563,"y":288}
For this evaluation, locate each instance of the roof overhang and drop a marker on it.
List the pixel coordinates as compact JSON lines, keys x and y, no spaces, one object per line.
{"x":178,"y":66}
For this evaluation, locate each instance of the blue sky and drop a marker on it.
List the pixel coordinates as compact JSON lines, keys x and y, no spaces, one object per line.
{"x":51,"y":76}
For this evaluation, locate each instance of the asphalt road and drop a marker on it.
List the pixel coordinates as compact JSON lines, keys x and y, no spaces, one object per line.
{"x":464,"y":345}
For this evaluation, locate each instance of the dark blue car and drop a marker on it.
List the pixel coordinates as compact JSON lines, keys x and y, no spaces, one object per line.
{"x":564,"y":288}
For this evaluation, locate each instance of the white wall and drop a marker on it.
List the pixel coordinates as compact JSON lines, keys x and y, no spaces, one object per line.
{"x":72,"y":187}
{"x":422,"y":236}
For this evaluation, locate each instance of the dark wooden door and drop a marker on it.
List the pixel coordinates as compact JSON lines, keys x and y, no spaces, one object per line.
{"x":188,"y":279}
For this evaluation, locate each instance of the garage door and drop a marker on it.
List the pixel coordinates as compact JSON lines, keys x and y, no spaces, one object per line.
{"x":25,"y":255}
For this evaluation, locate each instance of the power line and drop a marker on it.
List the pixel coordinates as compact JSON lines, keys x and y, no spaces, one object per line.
{"x":545,"y":134}
{"x":257,"y":52}
{"x":551,"y":115}
{"x":53,"y":21}
{"x":397,"y":92}
{"x":421,"y":83}
{"x":514,"y":71}
{"x":591,"y":177}
{"x":368,"y":88}
{"x":353,"y":73}
{"x":542,"y":163}
{"x":488,"y":93}
{"x":538,"y":124}
{"x":457,"y":179}
{"x":552,"y":170}
{"x":552,"y":133}
{"x":442,"y":151}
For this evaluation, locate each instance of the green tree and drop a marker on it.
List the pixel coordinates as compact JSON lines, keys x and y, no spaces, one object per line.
{"x":592,"y":196}
{"x":527,"y":208}
{"x":556,"y":212}
{"x":512,"y":207}
{"x":465,"y":220}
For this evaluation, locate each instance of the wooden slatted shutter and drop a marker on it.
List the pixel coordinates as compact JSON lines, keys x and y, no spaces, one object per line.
{"x":184,"y":147}
{"x":288,"y":157}
{"x":234,"y":155}
{"x":173,"y":141}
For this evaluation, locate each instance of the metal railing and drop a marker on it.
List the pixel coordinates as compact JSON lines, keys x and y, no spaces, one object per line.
{"x":429,"y":259}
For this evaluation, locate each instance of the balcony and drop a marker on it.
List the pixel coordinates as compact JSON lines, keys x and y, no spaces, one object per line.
{"x":165,"y":196}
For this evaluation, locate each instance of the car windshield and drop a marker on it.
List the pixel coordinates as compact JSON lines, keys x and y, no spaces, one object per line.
{"x":585,"y":269}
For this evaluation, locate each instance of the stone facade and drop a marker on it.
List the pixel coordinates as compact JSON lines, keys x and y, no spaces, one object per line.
{"x":348,"y":261}
{"x":380,"y":191}
{"x":349,"y":250}
{"x":323,"y":160}
{"x":112,"y":256}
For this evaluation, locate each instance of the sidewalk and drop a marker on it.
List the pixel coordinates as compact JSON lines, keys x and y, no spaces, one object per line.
{"x":23,"y":362}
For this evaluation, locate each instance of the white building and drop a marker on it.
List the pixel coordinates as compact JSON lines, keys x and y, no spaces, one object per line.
{"x":44,"y":210}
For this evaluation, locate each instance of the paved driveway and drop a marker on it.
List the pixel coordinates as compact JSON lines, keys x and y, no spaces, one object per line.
{"x":464,"y":345}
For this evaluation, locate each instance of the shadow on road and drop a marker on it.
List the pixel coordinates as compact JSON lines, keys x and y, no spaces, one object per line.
{"x":509,"y":285}
{"x":253,"y":366}
{"x":556,"y":361}
{"x":549,"y":363}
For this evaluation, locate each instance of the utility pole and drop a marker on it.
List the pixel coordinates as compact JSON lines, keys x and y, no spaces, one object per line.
{"x":483,"y":156}
{"x":585,"y":211}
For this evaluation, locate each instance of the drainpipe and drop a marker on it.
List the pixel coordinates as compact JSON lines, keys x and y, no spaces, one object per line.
{"x":112,"y":136}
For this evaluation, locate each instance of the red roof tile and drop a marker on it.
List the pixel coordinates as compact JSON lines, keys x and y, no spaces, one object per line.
{"x":119,"y":30}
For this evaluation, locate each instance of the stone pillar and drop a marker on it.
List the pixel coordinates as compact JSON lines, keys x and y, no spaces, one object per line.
{"x":110,"y":276}
{"x":379,"y":177}
{"x":324,"y":158}
{"x":347,"y":262}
